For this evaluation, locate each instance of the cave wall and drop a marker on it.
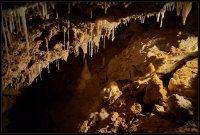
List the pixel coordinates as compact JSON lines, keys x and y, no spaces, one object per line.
{"x":50,"y":32}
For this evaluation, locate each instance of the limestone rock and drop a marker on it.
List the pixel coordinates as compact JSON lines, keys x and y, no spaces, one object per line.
{"x":152,"y":49}
{"x":136,"y":108}
{"x":154,"y":91}
{"x":111,"y":92}
{"x":179,"y":106}
{"x":159,"y":109}
{"x":103,"y":114}
{"x":185,"y":80}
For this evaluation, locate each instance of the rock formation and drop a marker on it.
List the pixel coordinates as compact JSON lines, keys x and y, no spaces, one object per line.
{"x":151,"y":85}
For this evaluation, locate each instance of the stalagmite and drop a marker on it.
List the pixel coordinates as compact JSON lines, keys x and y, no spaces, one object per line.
{"x":186,"y":10}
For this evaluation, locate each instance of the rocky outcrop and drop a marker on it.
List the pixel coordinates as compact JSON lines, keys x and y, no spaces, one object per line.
{"x":185,"y":80}
{"x":165,"y":54}
{"x":180,"y":107}
{"x":146,"y":62}
{"x":155,"y":91}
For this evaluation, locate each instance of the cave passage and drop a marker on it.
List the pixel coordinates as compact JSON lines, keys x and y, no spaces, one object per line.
{"x":63,"y":98}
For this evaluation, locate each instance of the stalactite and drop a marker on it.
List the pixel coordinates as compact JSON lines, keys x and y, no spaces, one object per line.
{"x":113,"y":33}
{"x":103,"y":61}
{"x":6,"y":45}
{"x":162,"y":16}
{"x":48,"y":68}
{"x":68,"y":8}
{"x":68,"y":26}
{"x":18,"y":21}
{"x":12,"y":20}
{"x":158,"y":16}
{"x":34,"y":56}
{"x":91,"y":30}
{"x":57,"y":12}
{"x":10,"y":23}
{"x":8,"y":37}
{"x":91,"y":14}
{"x":43,"y":10}
{"x":56,"y":62}
{"x":178,"y":8}
{"x":47,"y":45}
{"x":22,"y":13}
{"x":104,"y":45}
{"x":142,"y":18}
{"x":58,"y":65}
{"x":105,"y":8}
{"x":6,"y":25}
{"x":64,"y":30}
{"x":91,"y":49}
{"x":40,"y":71}
{"x":186,"y":10}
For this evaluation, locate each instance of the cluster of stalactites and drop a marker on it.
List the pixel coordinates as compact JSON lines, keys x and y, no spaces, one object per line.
{"x":181,"y":7}
{"x":98,"y":31}
{"x":13,"y":21}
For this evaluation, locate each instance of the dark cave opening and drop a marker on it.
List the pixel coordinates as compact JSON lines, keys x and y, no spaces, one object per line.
{"x":49,"y":105}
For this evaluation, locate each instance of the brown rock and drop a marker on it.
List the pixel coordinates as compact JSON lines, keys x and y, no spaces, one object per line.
{"x":136,"y":108}
{"x":185,"y":80}
{"x":179,"y":106}
{"x":154,"y":91}
{"x":111,"y":92}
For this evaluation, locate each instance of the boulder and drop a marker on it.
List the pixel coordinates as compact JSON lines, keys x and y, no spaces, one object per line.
{"x":179,"y":106}
{"x":111,"y":92}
